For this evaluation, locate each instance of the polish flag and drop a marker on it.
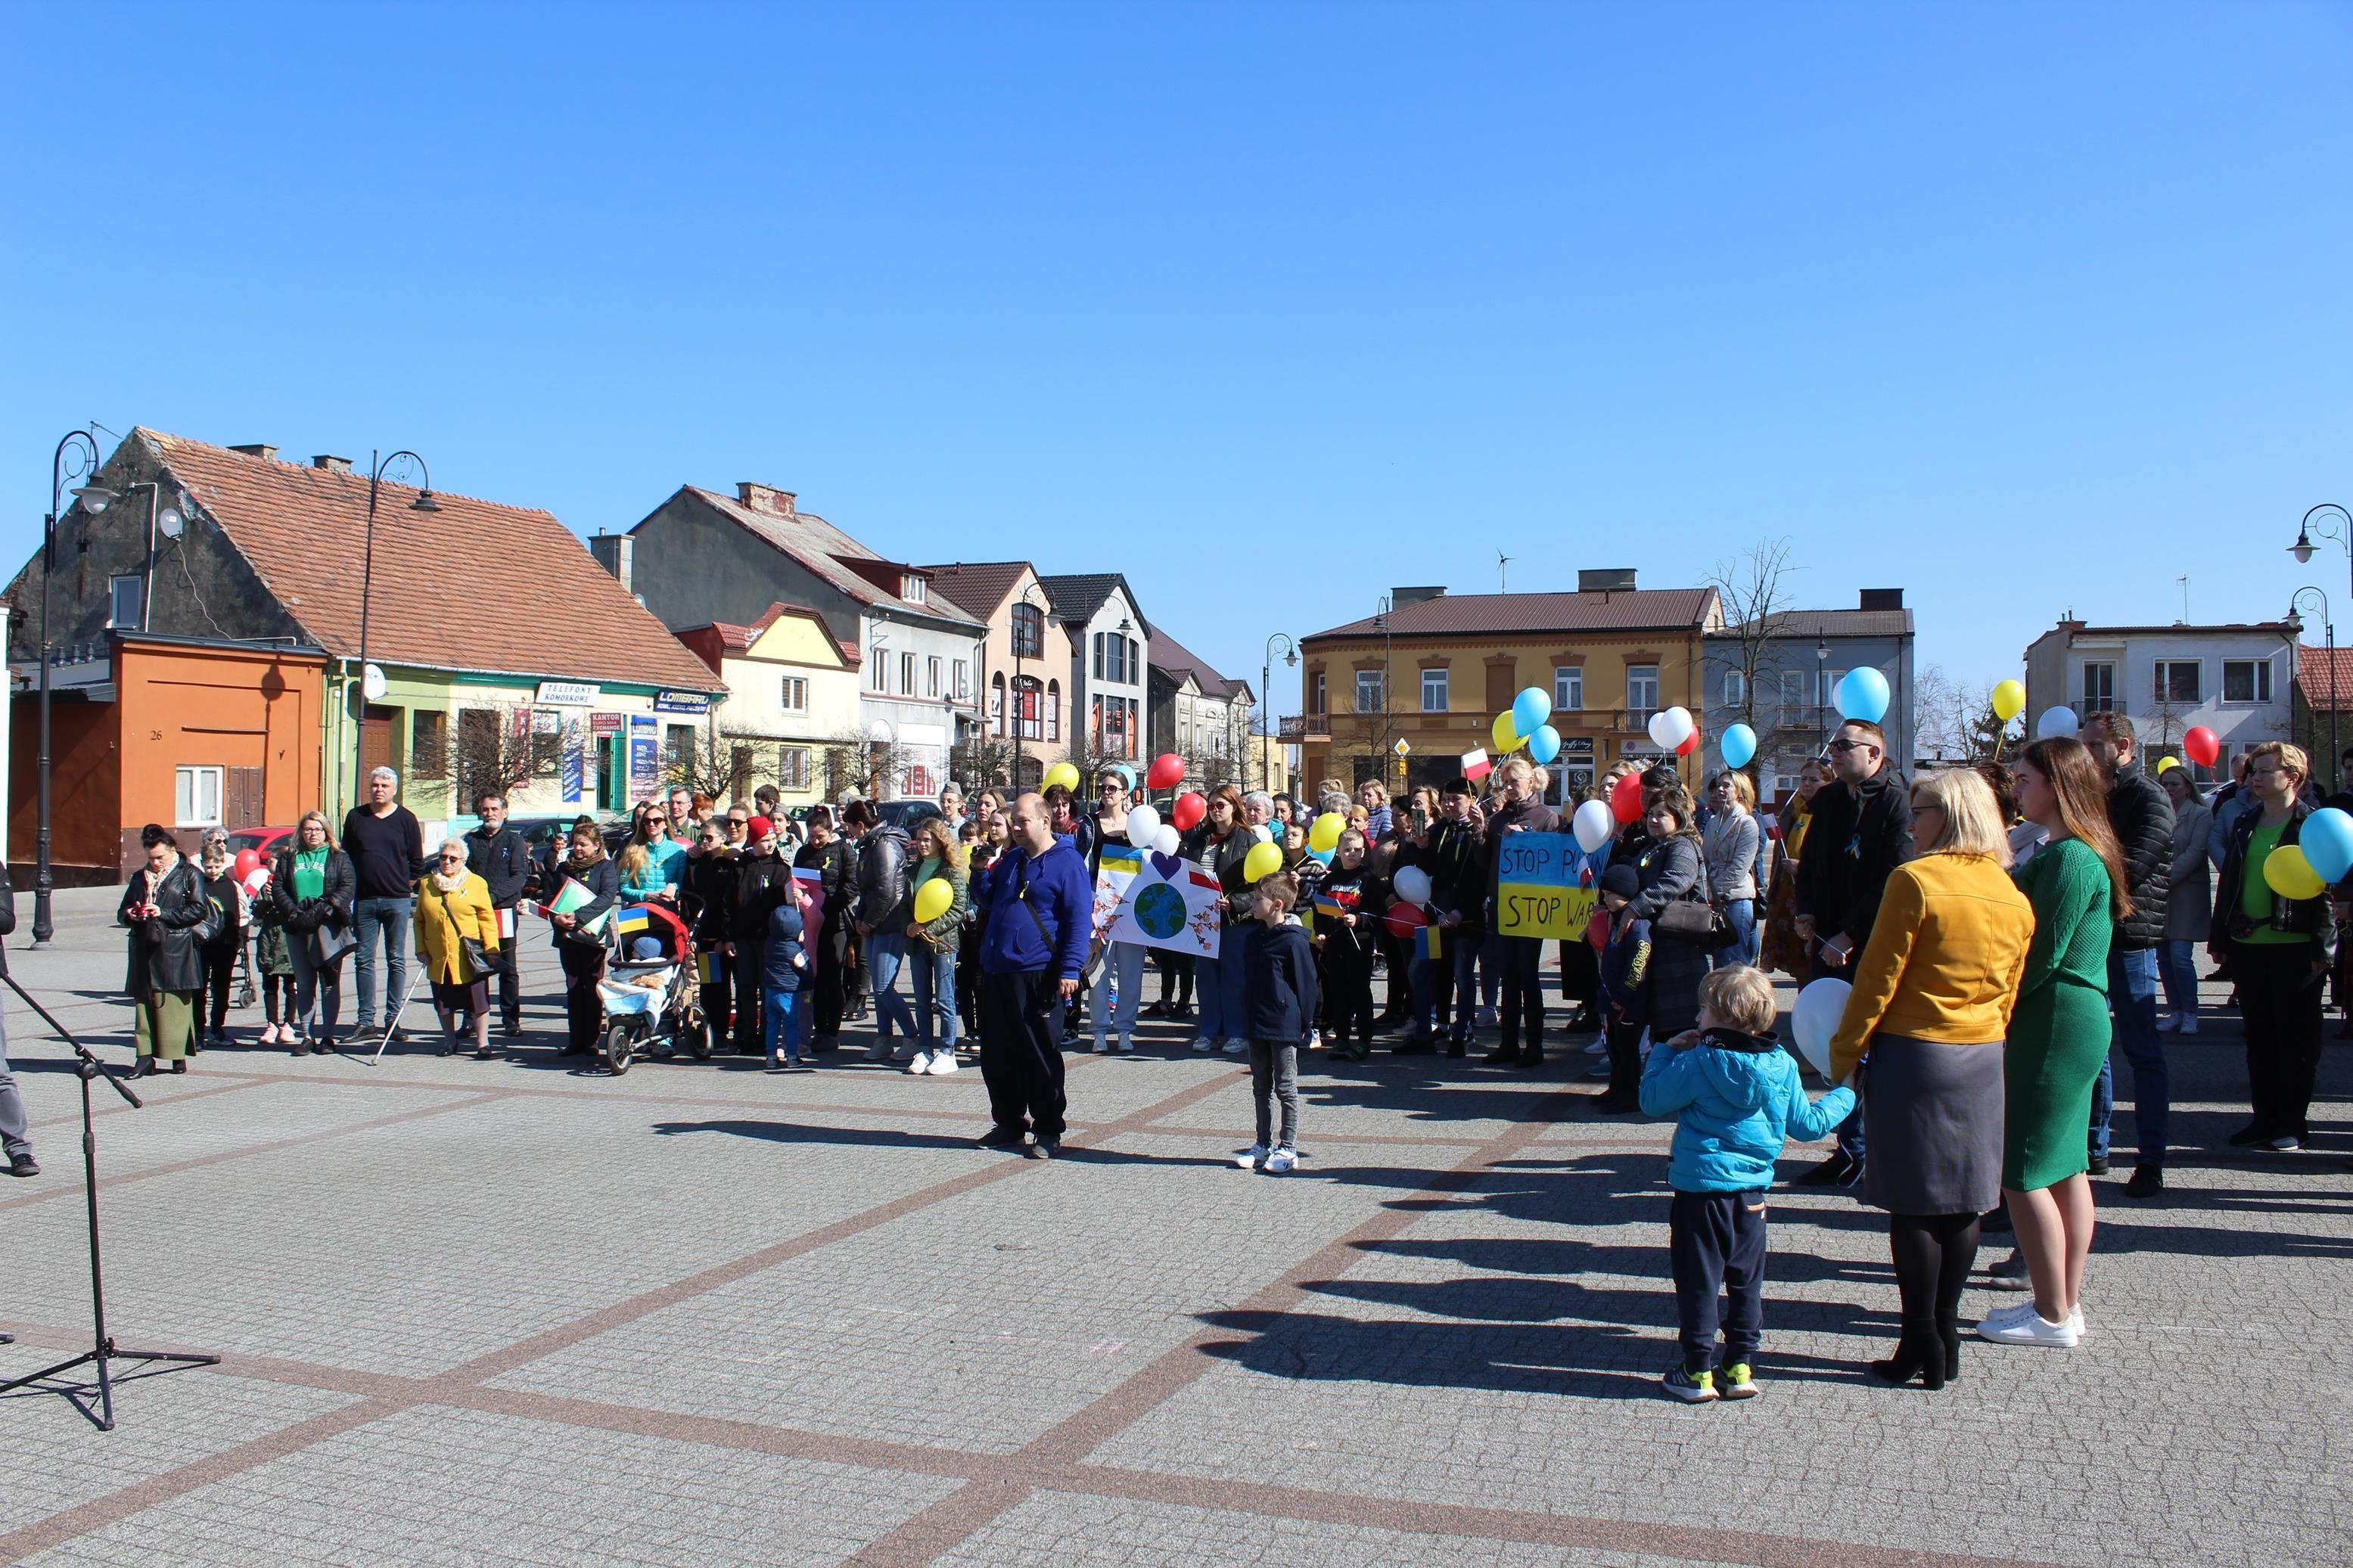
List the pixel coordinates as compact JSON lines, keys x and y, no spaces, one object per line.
{"x":1475,"y":766}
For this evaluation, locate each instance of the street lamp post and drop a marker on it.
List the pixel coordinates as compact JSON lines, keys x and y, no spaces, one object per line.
{"x":2328,"y":631}
{"x":1265,"y":689}
{"x":424,"y":503}
{"x":1821,"y":691}
{"x":93,"y":499}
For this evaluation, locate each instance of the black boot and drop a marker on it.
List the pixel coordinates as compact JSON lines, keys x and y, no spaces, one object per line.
{"x":1916,"y":1355}
{"x":1948,"y":1329}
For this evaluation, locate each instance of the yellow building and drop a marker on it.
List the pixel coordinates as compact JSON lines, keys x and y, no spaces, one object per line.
{"x":791,"y":717}
{"x":1435,"y":670}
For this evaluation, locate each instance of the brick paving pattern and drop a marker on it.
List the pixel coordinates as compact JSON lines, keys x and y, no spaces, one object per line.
{"x":517,"y":1313}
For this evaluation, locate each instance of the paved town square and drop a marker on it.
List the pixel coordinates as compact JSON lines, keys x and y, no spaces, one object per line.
{"x":517,"y":1311}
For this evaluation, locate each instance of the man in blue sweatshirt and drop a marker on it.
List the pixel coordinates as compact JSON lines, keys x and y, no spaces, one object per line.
{"x":1038,"y":909}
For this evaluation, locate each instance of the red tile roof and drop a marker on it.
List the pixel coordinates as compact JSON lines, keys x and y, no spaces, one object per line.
{"x":824,"y":551}
{"x":1167,"y":653}
{"x":979,"y":586}
{"x":1629,"y":609}
{"x":2312,"y":677}
{"x":532,"y":601}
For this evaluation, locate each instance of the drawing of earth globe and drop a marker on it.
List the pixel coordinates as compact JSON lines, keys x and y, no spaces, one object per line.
{"x":1160,"y":911}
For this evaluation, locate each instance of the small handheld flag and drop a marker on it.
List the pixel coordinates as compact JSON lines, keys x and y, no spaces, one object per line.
{"x":1430,"y":943}
{"x":1475,"y":764}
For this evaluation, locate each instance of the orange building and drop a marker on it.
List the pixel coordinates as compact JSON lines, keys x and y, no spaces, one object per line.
{"x":186,"y":733}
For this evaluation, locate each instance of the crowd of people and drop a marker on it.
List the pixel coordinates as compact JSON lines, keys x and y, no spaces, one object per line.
{"x":2006,"y":931}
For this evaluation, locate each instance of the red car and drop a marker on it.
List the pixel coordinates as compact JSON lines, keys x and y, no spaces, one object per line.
{"x":266,"y":841}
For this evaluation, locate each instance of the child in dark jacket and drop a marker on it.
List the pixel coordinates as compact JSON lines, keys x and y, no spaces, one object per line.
{"x":1345,"y":936}
{"x":1625,"y":989}
{"x":1279,"y":997}
{"x":783,"y":963}
{"x":1735,"y":1098}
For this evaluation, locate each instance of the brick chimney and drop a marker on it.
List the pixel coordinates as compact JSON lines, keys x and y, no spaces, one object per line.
{"x":332,"y":463}
{"x":616,"y":554}
{"x":262,"y":451}
{"x":765,"y":498}
{"x":1881,"y":599}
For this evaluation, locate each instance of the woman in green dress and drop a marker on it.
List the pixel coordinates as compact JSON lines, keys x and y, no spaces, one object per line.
{"x":2058,"y":1037}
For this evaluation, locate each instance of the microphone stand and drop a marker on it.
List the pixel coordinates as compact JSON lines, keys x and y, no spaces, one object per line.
{"x":88,"y":1068}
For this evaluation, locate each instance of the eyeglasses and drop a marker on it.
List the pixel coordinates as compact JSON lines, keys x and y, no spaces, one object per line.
{"x":657,"y":821}
{"x":1844,"y":744}
{"x":456,"y":859}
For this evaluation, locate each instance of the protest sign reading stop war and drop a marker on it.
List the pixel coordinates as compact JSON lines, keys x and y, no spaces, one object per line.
{"x":1537,"y":890}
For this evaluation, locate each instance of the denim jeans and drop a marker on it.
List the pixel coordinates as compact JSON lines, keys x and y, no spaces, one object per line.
{"x":1230,"y":983}
{"x":14,"y":1125}
{"x":2177,"y":965}
{"x":1122,"y":962}
{"x":933,"y":975}
{"x":388,"y":919}
{"x":1740,"y":914}
{"x":885,"y":950}
{"x":2132,"y":1008}
{"x":317,"y":986}
{"x":1209,"y":982}
{"x":1455,"y":988}
{"x":783,"y":1018}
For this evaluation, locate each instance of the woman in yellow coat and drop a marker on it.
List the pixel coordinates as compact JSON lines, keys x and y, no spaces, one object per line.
{"x":453,"y":904}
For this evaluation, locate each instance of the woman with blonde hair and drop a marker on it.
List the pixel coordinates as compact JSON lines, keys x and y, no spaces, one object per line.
{"x":933,"y":945}
{"x":314,"y":888}
{"x":453,"y":907}
{"x":1731,"y":840}
{"x":1931,"y":1001}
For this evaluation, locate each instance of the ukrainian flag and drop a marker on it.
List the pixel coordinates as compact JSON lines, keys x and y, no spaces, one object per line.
{"x":1430,"y":943}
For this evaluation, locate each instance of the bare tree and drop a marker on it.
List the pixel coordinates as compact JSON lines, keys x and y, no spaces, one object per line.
{"x":1957,"y":721}
{"x":491,"y":749}
{"x":981,"y":760}
{"x":857,"y":761}
{"x":718,"y":765}
{"x":1748,"y":587}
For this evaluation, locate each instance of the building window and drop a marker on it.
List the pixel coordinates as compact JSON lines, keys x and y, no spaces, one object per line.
{"x":2099,"y":688}
{"x":1028,"y":699}
{"x":2246,"y":680}
{"x":196,"y":796}
{"x":429,"y":744}
{"x":2177,"y":682}
{"x":912,"y":589}
{"x":906,"y":675}
{"x":1053,"y":709}
{"x":1642,"y":690}
{"x":1029,"y":632}
{"x":125,"y":600}
{"x":931,"y":678}
{"x":1830,"y":678}
{"x":1569,"y":687}
{"x":1369,"y":692}
{"x":793,"y":697}
{"x":678,"y":749}
{"x":1433,"y":691}
{"x":997,"y":704}
{"x":963,"y":673}
{"x":1316,"y":694}
{"x":793,"y":767}
{"x":1099,"y":652}
{"x":879,"y":672}
{"x":1793,"y":696}
{"x":1735,"y":689}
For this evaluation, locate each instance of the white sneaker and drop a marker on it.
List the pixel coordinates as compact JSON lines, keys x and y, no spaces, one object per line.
{"x":1314,"y":1039}
{"x":1489,"y":1018}
{"x":1127,"y":1044}
{"x":1251,"y":1158}
{"x":2029,"y":1328}
{"x":1281,"y":1160}
{"x":2075,"y":1322}
{"x":919,"y":1064}
{"x":1236,"y":1047}
{"x":1203,"y":1043}
{"x":942,"y":1063}
{"x":2285,"y":1143}
{"x":1599,"y":1047}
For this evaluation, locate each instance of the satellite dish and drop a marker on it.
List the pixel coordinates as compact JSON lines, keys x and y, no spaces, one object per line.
{"x":169,"y":522}
{"x":371,"y":683}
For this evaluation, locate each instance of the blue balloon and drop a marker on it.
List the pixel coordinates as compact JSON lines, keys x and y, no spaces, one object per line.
{"x":1863,"y":695}
{"x":1739,"y":745}
{"x":1530,"y":709}
{"x":2327,"y":842}
{"x":1544,"y":741}
{"x":1321,"y":856}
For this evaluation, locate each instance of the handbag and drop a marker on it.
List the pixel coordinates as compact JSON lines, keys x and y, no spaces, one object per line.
{"x":474,"y":957}
{"x":329,"y":943}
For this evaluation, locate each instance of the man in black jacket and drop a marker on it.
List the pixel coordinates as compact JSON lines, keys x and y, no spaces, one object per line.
{"x":2141,"y":817}
{"x":1523,"y":811}
{"x":386,"y":844}
{"x":1861,"y":830}
{"x":1458,"y":865}
{"x":497,"y":854}
{"x":829,"y":949}
{"x":763,"y":881}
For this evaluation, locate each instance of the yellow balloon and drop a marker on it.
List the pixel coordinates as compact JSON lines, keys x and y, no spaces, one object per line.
{"x":2165,"y":762}
{"x":1263,"y":861}
{"x":1063,"y":774}
{"x":2290,"y":875}
{"x":2009,"y":699}
{"x":933,"y":899}
{"x":1507,"y":739}
{"x":1324,"y":832}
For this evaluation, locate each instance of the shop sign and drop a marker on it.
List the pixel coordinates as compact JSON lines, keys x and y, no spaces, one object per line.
{"x":568,"y":693}
{"x":606,"y":723}
{"x":682,"y":702}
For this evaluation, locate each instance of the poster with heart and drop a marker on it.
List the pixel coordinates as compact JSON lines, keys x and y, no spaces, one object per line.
{"x":1168,"y":902}
{"x":1120,"y":863}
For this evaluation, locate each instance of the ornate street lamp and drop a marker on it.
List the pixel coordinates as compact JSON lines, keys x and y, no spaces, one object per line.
{"x":1265,"y":684}
{"x":424,"y":503}
{"x":92,"y":498}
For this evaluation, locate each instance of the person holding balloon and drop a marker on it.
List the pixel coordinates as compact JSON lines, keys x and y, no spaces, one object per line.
{"x":1219,"y":843}
{"x":934,"y":936}
{"x":1930,"y":1005}
{"x":2275,"y":931}
{"x":1521,"y":957}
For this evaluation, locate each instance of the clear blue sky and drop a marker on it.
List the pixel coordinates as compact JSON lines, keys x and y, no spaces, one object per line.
{"x":2022,"y":307}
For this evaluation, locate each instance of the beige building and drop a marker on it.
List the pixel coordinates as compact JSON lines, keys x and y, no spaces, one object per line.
{"x":791,"y":714}
{"x":1026,"y":709}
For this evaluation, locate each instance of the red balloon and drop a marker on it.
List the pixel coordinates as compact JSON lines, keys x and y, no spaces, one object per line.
{"x":247,"y":861}
{"x":1626,"y":798}
{"x":1404,"y":920}
{"x":1187,"y":813}
{"x":2203,"y":745}
{"x":1166,"y":771}
{"x":1690,"y":743}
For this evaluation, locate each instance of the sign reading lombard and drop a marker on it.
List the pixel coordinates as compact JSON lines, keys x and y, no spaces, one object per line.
{"x":1537,"y":888}
{"x":682,"y":702}
{"x":568,"y":693}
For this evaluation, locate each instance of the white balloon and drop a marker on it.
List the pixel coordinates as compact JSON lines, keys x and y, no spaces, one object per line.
{"x":1166,"y":840}
{"x":1412,"y":884}
{"x":1658,"y":731}
{"x":1593,"y":826}
{"x":1143,"y":826}
{"x":1680,"y":721}
{"x":2055,"y":723}
{"x":1815,"y":1019}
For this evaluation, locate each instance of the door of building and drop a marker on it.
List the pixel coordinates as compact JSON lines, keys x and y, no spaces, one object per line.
{"x":375,"y":744}
{"x":609,"y":772}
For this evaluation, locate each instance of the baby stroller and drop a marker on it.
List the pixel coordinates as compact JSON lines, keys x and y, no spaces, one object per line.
{"x":652,"y":996}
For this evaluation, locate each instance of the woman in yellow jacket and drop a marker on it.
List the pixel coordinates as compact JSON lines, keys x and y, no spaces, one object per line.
{"x":1930,"y":1006}
{"x":452,"y":904}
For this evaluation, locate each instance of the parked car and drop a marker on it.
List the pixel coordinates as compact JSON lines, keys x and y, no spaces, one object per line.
{"x":537,"y":830}
{"x":268,"y":841}
{"x":903,"y":815}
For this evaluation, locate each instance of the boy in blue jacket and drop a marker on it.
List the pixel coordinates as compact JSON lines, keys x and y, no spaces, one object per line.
{"x":1279,"y":997}
{"x":783,"y":963}
{"x":1734,"y":1094}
